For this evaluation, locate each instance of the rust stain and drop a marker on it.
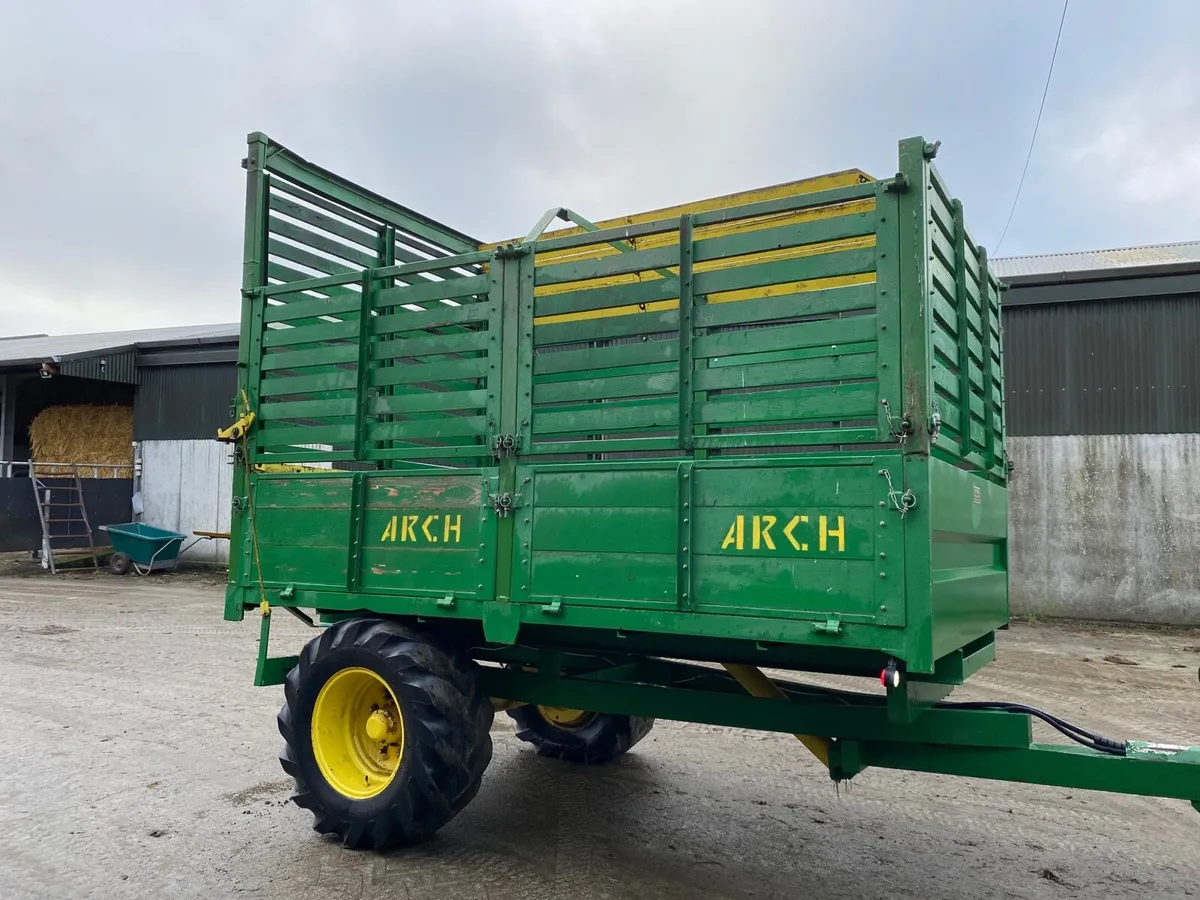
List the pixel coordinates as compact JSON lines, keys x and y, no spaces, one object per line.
{"x":429,"y":492}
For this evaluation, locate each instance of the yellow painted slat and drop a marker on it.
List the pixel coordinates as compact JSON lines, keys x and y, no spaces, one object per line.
{"x":741,"y":198}
{"x":721,"y":229}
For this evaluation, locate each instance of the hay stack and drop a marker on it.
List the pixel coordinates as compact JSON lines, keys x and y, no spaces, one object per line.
{"x":96,"y":435}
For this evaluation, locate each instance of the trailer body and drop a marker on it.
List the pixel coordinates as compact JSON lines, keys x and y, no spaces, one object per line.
{"x":743,"y":425}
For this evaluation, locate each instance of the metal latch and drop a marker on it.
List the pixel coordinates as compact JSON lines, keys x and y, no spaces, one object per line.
{"x":900,"y":428}
{"x":503,"y":504}
{"x":831,"y":626}
{"x":505,"y":445}
{"x":901,"y":502}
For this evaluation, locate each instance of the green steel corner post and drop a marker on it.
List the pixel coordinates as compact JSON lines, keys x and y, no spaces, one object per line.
{"x":916,"y":318}
{"x":254,"y":264}
{"x":916,"y":323}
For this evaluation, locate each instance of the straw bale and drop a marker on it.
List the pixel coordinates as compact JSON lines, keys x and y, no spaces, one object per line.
{"x":94,"y":436}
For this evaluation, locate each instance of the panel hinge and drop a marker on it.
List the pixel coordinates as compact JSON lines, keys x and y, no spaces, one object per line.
{"x":505,"y":445}
{"x":239,"y":505}
{"x":898,"y":184}
{"x":504,"y":503}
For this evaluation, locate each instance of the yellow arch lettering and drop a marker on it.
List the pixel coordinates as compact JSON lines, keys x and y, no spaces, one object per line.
{"x":762,"y":532}
{"x":736,"y":537}
{"x":454,"y":527}
{"x":791,"y":526}
{"x":425,"y":529}
{"x":839,"y":533}
{"x":389,"y":530}
{"x":408,"y":528}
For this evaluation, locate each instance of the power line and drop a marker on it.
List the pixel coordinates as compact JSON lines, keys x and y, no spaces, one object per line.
{"x":1033,"y":140}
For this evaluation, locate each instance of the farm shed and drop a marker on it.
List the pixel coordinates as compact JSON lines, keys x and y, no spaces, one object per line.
{"x":1103,"y":391}
{"x":178,"y":384}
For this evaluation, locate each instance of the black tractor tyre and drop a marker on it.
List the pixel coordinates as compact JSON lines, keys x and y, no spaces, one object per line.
{"x":597,"y":738}
{"x":119,"y":563}
{"x":446,"y":744}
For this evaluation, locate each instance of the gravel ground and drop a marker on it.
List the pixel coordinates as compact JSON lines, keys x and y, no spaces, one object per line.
{"x":137,"y":761}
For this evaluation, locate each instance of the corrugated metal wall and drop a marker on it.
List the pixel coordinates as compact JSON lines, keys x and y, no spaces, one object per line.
{"x":108,"y":367}
{"x":1103,"y":366}
{"x":187,"y":486}
{"x":183,"y":402}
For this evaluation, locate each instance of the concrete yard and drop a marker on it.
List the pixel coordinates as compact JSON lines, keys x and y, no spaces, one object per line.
{"x":136,"y":760}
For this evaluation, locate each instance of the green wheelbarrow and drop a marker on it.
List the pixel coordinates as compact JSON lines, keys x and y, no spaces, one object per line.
{"x":143,"y":548}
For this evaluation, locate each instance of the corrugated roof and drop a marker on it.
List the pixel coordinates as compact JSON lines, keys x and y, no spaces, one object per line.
{"x":57,"y":348}
{"x":1098,"y":260}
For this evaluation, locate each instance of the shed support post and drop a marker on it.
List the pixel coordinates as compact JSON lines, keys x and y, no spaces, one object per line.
{"x":8,"y":405}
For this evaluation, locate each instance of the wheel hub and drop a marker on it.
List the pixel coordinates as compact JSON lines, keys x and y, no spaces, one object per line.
{"x":563,"y":717}
{"x":380,"y":724}
{"x":357,"y":733}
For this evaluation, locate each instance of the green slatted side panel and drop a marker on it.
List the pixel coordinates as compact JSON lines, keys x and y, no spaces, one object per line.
{"x":966,"y":340}
{"x":783,"y":341}
{"x":310,"y":390}
{"x":434,"y":371}
{"x":606,"y":353}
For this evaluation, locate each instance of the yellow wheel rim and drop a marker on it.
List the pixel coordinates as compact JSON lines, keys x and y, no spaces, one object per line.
{"x":357,"y":733}
{"x":562,"y":717}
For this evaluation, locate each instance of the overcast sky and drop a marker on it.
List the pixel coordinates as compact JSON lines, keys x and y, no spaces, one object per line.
{"x":122,"y":124}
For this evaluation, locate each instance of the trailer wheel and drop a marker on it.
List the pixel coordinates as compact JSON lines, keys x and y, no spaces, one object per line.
{"x":576,"y":735}
{"x":385,"y":731}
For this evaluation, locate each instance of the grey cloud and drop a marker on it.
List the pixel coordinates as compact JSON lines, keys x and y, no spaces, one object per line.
{"x":121,"y":124}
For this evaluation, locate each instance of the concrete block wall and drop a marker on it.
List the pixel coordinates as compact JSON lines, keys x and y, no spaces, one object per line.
{"x":1106,"y":527}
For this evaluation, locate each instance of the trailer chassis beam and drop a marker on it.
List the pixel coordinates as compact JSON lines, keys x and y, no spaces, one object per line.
{"x":991,"y":744}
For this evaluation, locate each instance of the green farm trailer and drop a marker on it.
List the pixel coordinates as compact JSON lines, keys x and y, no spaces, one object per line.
{"x":606,"y":473}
